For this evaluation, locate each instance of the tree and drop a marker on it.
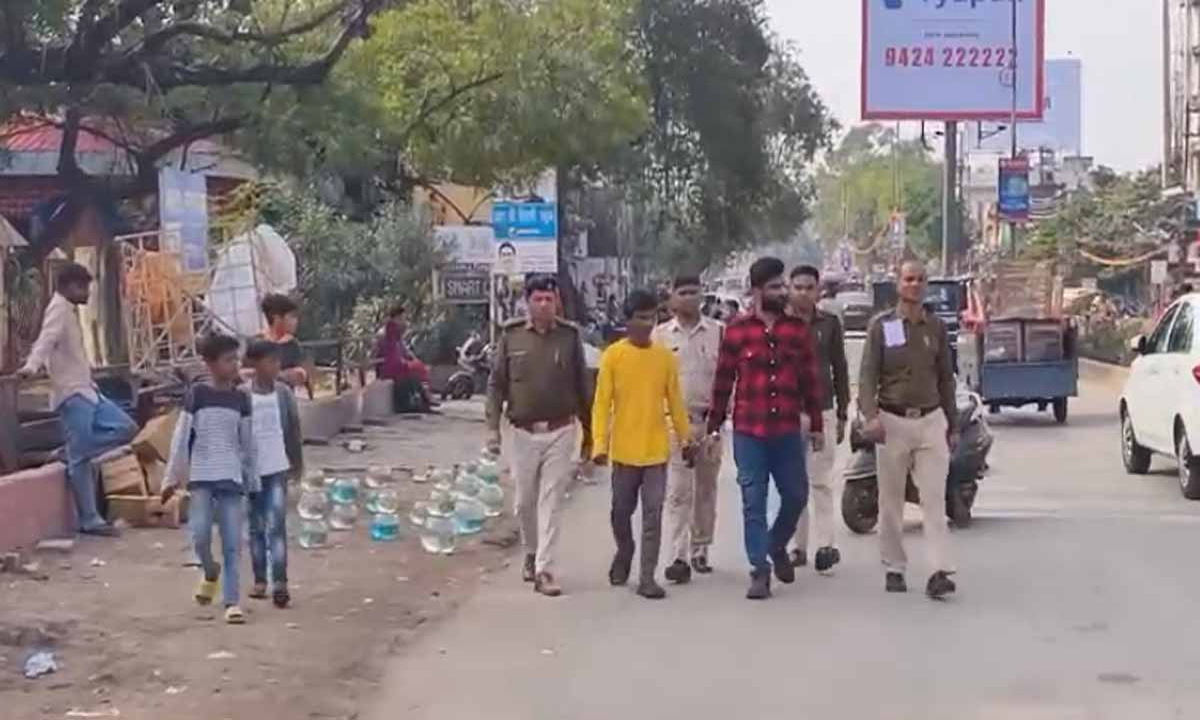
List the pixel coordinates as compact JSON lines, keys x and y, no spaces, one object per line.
{"x":734,"y":125}
{"x":870,"y":174}
{"x":155,"y":76}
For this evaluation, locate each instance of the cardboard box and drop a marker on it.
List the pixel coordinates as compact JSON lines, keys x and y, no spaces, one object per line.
{"x":155,"y":472}
{"x":123,"y":476}
{"x":147,"y":512}
{"x":154,"y":440}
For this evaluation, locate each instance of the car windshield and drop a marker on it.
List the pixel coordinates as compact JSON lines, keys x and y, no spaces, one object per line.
{"x":942,"y":298}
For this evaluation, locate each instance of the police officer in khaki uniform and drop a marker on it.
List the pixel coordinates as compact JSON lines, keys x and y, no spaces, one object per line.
{"x":539,"y":382}
{"x":906,"y":394}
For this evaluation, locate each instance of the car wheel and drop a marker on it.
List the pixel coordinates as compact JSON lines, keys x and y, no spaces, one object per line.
{"x":1060,"y":410}
{"x":1189,"y":474}
{"x":1135,"y":457}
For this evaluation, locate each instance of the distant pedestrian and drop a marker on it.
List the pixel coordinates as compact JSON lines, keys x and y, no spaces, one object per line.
{"x":92,"y":423}
{"x":695,"y":341}
{"x":410,"y":377}
{"x":906,"y":394}
{"x":638,"y":379}
{"x":830,"y":343}
{"x":768,"y":358}
{"x":280,"y":458}
{"x":539,"y":381}
{"x":213,"y":452}
{"x":283,"y":318}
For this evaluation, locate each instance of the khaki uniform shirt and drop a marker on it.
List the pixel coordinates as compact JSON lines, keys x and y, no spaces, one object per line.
{"x":906,"y":365}
{"x":539,"y":377}
{"x":830,"y":343}
{"x":696,"y":350}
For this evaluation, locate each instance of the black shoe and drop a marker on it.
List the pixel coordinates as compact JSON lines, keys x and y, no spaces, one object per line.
{"x":529,"y":570}
{"x":760,"y":585}
{"x":940,"y":585}
{"x":783,"y":566}
{"x":679,"y":572}
{"x":826,"y":558}
{"x":102,"y":530}
{"x":700,"y":564}
{"x":896,"y":583}
{"x":618,"y":572}
{"x":651,"y":590}
{"x":799,"y":558}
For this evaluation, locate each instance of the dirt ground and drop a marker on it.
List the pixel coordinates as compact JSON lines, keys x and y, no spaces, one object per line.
{"x":131,"y":643}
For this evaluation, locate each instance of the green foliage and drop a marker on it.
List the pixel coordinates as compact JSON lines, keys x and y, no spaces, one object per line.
{"x":870,"y":174}
{"x":351,"y":272}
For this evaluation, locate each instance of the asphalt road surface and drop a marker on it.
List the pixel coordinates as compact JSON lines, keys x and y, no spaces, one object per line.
{"x":1078,"y":587}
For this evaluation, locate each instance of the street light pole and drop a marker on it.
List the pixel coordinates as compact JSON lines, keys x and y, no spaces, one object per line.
{"x":1012,"y":225}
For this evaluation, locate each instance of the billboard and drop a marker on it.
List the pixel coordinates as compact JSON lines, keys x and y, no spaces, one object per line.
{"x":526,"y":237}
{"x":1061,"y":126}
{"x":1014,"y":202}
{"x":951,"y":59}
{"x":183,"y":216}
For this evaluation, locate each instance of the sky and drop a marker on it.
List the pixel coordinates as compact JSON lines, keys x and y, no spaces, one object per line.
{"x":1118,"y":41}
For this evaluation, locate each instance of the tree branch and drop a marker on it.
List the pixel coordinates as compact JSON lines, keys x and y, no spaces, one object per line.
{"x":428,"y":111}
{"x":156,"y":41}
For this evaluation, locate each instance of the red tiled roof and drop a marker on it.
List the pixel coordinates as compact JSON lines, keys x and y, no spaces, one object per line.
{"x":35,"y":135}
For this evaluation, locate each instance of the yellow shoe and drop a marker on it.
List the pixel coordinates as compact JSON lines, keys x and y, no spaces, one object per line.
{"x":206,"y":591}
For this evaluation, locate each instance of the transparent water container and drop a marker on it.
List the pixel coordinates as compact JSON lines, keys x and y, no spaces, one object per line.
{"x":492,"y":497}
{"x":488,"y":468}
{"x":386,"y":500}
{"x":313,"y":480}
{"x":313,"y":534}
{"x":385,"y":527}
{"x":438,"y":531}
{"x":313,"y":504}
{"x":343,"y":516}
{"x":344,"y":490}
{"x":378,"y":476}
{"x":418,"y":513}
{"x":469,"y":515}
{"x":466,"y":483}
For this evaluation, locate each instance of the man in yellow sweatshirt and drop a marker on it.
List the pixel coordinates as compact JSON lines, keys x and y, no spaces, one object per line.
{"x":637,"y":379}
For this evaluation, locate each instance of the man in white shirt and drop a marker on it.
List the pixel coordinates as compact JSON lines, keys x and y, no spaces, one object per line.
{"x":695,"y":341}
{"x":92,"y":423}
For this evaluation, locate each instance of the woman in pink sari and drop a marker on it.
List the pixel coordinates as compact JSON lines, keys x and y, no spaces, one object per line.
{"x":409,"y":375}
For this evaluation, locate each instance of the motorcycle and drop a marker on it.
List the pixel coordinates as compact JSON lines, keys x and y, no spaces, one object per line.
{"x":968,"y":464}
{"x":474,"y":366}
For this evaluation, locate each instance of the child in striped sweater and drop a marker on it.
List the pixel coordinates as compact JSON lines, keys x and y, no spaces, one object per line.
{"x":213,"y":451}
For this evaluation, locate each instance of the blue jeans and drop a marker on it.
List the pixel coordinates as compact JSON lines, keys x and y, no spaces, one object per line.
{"x":268,"y":529}
{"x":91,"y":429}
{"x":227,"y":504}
{"x":758,"y":460}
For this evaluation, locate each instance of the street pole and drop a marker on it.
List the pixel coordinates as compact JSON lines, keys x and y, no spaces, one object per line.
{"x":1012,"y":225}
{"x":1168,"y":131}
{"x":949,"y":192}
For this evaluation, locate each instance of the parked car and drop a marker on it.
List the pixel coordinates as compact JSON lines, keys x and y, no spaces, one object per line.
{"x":857,"y":309}
{"x":1160,"y":405}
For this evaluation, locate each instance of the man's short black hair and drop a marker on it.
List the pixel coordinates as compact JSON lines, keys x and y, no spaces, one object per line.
{"x":686,"y":280}
{"x":276,"y":306}
{"x":765,"y":270}
{"x":261,"y":350}
{"x":214,"y":346}
{"x":640,"y":301}
{"x":541,"y":283}
{"x":73,"y":274}
{"x":397,"y":310}
{"x":808,"y":270}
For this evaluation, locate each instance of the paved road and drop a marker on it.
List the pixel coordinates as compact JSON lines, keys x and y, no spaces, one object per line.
{"x":1078,"y":591}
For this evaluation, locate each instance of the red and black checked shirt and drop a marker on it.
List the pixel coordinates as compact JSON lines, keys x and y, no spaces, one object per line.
{"x":776,"y":377}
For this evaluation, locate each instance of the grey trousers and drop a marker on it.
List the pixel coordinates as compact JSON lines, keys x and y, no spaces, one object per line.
{"x":627,"y":483}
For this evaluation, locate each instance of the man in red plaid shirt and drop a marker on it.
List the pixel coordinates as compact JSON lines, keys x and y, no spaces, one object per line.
{"x":769,"y":358}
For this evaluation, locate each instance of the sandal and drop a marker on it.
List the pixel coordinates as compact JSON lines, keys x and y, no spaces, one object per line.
{"x":259,"y":591}
{"x":234,"y":615}
{"x":206,"y":591}
{"x":281,"y":597}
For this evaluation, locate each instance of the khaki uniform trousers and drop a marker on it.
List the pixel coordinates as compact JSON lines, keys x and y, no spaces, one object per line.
{"x":917,"y":446}
{"x":692,"y":496}
{"x":821,"y":485}
{"x":543,"y":466}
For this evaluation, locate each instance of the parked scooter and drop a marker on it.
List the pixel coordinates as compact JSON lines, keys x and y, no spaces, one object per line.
{"x":968,"y":463}
{"x":474,"y":366}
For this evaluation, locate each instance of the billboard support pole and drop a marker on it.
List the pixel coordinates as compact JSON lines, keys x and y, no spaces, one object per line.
{"x":1012,"y":225}
{"x":949,"y":191}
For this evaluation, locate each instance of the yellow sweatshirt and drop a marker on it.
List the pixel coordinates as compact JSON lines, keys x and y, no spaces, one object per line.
{"x":634,"y":386}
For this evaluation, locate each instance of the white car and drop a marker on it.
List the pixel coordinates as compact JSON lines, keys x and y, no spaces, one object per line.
{"x":1160,"y":405}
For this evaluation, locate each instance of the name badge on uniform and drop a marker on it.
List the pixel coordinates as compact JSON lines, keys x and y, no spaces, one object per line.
{"x":893,"y":333}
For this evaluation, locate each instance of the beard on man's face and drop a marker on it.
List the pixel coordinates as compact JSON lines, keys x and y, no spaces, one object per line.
{"x":773,"y":303}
